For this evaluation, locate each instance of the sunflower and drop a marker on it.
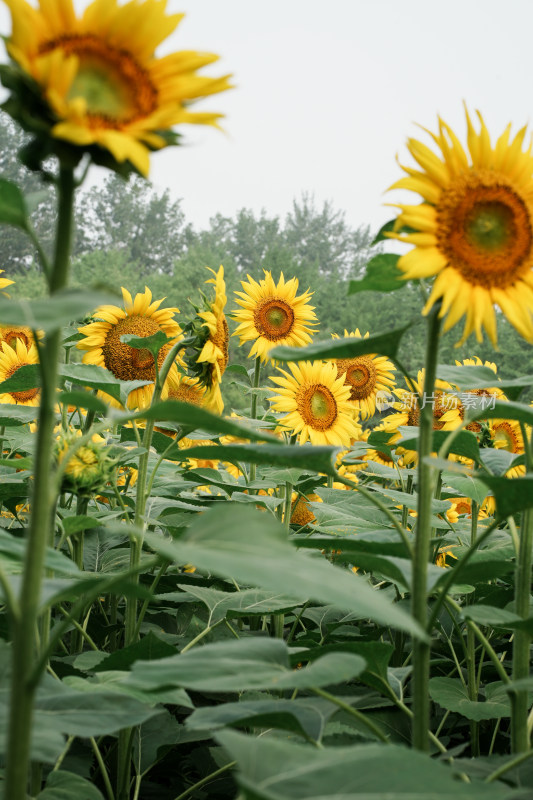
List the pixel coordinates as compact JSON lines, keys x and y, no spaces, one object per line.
{"x":206,"y":352}
{"x":460,"y":506}
{"x":507,"y":435}
{"x":11,"y":359}
{"x":273,"y":315}
{"x":188,"y":390}
{"x":100,"y":79}
{"x":316,"y":403}
{"x":10,"y":334}
{"x":468,"y":398}
{"x":378,"y":456}
{"x":3,"y":283}
{"x":301,"y":513}
{"x":104,"y":348}
{"x":366,"y":376}
{"x":447,"y":411}
{"x":474,"y":228}
{"x":89,"y":467}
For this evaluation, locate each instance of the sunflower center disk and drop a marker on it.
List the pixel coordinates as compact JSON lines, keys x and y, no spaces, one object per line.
{"x":142,"y":360}
{"x":359,"y":375}
{"x":484,"y":230}
{"x":125,"y":362}
{"x":116,"y":89}
{"x":318,"y":407}
{"x":274,"y":319}
{"x":11,"y":337}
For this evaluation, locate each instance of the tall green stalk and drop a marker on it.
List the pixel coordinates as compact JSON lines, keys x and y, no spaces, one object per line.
{"x":25,"y":652}
{"x":421,"y":650}
{"x":471,"y":652}
{"x":253,"y":408}
{"x":522,"y":638}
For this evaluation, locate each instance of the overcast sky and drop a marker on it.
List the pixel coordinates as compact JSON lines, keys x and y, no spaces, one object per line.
{"x":326,"y":95}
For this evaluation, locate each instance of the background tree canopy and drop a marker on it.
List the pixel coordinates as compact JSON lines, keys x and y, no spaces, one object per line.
{"x":131,"y":235}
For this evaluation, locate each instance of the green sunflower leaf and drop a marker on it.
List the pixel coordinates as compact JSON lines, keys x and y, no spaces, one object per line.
{"x":252,"y":547}
{"x":195,"y":418}
{"x":152,"y":343}
{"x":249,"y":663}
{"x":382,"y":275}
{"x":52,"y":313}
{"x":24,"y":378}
{"x":100,"y":378}
{"x":13,"y":209}
{"x":317,"y":459}
{"x":62,"y":785}
{"x":13,"y":415}
{"x":275,"y":768}
{"x":511,"y":494}
{"x":383,"y":344}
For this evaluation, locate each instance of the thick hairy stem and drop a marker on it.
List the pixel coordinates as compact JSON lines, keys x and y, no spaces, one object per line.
{"x":421,"y":651}
{"x":25,"y":654}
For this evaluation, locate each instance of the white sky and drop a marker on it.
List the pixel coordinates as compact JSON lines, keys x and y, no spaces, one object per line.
{"x":327,"y":94}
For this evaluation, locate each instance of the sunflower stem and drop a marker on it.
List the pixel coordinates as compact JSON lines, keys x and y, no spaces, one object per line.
{"x":421,"y":649}
{"x":471,"y":652}
{"x":522,"y":638}
{"x":520,"y":738}
{"x":253,"y":407}
{"x":25,"y":653}
{"x":81,"y":509}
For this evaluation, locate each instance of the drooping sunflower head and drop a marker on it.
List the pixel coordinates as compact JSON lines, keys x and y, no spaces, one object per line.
{"x":316,"y":404}
{"x":366,"y":376}
{"x":188,"y":390}
{"x":11,"y":360}
{"x":207,"y":339}
{"x":474,"y":229}
{"x":141,"y":317}
{"x":273,"y":314}
{"x":3,"y":283}
{"x":97,"y":81}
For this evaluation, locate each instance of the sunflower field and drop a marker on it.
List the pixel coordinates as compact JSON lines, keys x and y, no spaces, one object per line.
{"x":324,"y":595}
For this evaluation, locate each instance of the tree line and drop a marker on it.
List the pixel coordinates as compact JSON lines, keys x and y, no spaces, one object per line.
{"x":129,"y":234}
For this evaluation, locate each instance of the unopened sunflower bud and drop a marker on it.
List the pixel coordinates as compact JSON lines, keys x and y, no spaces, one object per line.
{"x":89,"y":466}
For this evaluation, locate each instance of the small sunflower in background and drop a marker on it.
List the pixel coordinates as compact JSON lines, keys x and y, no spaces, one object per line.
{"x":474,"y":229}
{"x":446,"y":408}
{"x":460,"y":506}
{"x":301,"y":512}
{"x":507,"y":435}
{"x":142,"y":317}
{"x":11,"y":360}
{"x":95,"y":82}
{"x":4,"y":282}
{"x":316,"y":404}
{"x":273,"y":314}
{"x":366,"y":376}
{"x":486,"y":395}
{"x":11,"y":333}
{"x":206,"y":353}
